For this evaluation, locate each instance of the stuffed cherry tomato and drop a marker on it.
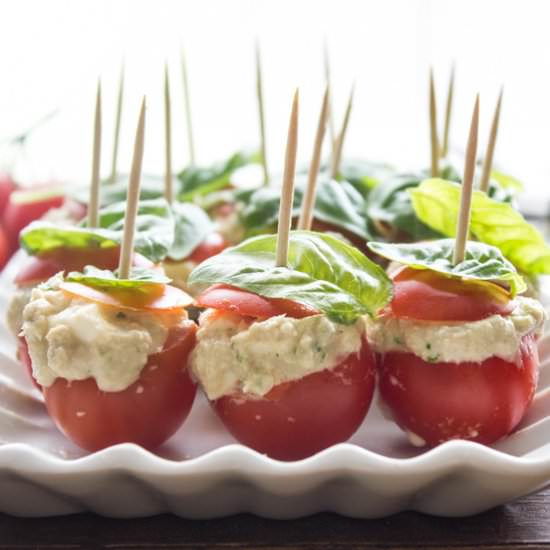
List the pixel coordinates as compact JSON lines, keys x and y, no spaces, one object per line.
{"x":7,"y":187}
{"x":284,"y":379}
{"x":112,"y":363}
{"x":457,"y":359}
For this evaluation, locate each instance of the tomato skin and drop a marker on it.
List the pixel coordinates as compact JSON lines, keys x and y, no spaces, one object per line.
{"x":7,"y":187}
{"x":248,"y":304}
{"x":146,"y":413}
{"x":212,"y":245}
{"x":18,"y":215}
{"x":41,"y":268}
{"x":300,"y":418}
{"x":481,"y":402}
{"x":427,"y":296}
{"x":25,"y":358}
{"x":4,"y":252}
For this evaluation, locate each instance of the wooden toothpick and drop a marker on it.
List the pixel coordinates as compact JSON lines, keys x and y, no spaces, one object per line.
{"x":339,"y":146}
{"x":187,"y":100}
{"x":490,"y":152}
{"x":463,"y":223}
{"x":93,"y":207}
{"x":287,"y":196}
{"x":433,"y":129}
{"x":168,"y":188}
{"x":331,"y":125}
{"x":118,"y":118}
{"x":261,"y":113}
{"x":132,"y":199}
{"x":306,"y":215}
{"x":450,"y":92}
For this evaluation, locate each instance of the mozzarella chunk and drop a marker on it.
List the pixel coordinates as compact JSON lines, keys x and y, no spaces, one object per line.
{"x":495,"y":336}
{"x":234,"y":355}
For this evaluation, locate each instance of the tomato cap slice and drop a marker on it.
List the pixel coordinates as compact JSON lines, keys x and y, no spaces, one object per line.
{"x":155,"y":298}
{"x":424,"y":295}
{"x":248,"y":304}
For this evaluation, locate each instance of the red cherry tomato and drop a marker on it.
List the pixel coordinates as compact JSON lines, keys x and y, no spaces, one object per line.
{"x":7,"y":187}
{"x":428,"y":296}
{"x":438,"y":402}
{"x":146,"y":413}
{"x":249,"y":304}
{"x":25,"y":358}
{"x":41,"y":268}
{"x":4,"y":252}
{"x":300,"y":418}
{"x":26,"y":206}
{"x":212,"y":245}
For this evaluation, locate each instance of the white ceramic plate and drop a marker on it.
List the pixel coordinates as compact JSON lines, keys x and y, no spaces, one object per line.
{"x":202,"y":473}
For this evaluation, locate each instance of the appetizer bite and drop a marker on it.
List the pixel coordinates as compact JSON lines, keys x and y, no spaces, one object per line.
{"x":456,"y":347}
{"x":110,"y":349}
{"x":281,"y":349}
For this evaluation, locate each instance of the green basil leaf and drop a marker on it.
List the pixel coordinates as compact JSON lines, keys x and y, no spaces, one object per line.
{"x":151,"y":187}
{"x":437,"y":202}
{"x":323,"y":272}
{"x":154,"y":231}
{"x":482,"y":262}
{"x":390,"y":203}
{"x":154,"y":226}
{"x":196,"y":180}
{"x":364,"y":175}
{"x":506,"y":182}
{"x":40,"y":237}
{"x":192,"y":226}
{"x":106,"y":280}
{"x":337,"y":203}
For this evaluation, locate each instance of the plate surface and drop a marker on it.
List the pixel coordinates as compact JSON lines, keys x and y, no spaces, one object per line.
{"x":202,"y":473}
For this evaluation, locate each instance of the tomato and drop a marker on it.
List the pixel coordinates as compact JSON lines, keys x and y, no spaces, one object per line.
{"x":41,"y":268}
{"x":4,"y":252}
{"x":249,"y":304}
{"x":25,"y":358}
{"x":153,"y":298}
{"x":26,"y":206}
{"x":7,"y":187}
{"x":212,"y":245}
{"x":300,"y":418}
{"x":425,"y":295}
{"x":481,"y":402}
{"x":146,"y":413}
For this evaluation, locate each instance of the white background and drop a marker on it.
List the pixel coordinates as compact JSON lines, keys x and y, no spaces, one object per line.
{"x":52,"y":52}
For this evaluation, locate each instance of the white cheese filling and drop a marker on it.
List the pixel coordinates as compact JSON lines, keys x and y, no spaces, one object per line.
{"x":75,"y":339}
{"x":233,"y":355}
{"x":474,"y":341}
{"x":14,"y":316}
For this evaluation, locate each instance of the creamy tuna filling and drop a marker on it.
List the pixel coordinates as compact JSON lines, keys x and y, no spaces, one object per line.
{"x":495,"y":336}
{"x":235,"y":356}
{"x":14,"y":316}
{"x":74,"y":339}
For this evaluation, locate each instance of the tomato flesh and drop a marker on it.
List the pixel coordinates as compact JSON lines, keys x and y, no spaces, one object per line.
{"x":300,"y":418}
{"x":146,"y":413}
{"x":438,"y":402}
{"x":41,"y":268}
{"x":212,"y":245}
{"x":248,"y":304}
{"x":428,"y":296}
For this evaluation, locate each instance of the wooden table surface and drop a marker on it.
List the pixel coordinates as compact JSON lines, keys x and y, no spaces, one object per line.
{"x":523,"y":524}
